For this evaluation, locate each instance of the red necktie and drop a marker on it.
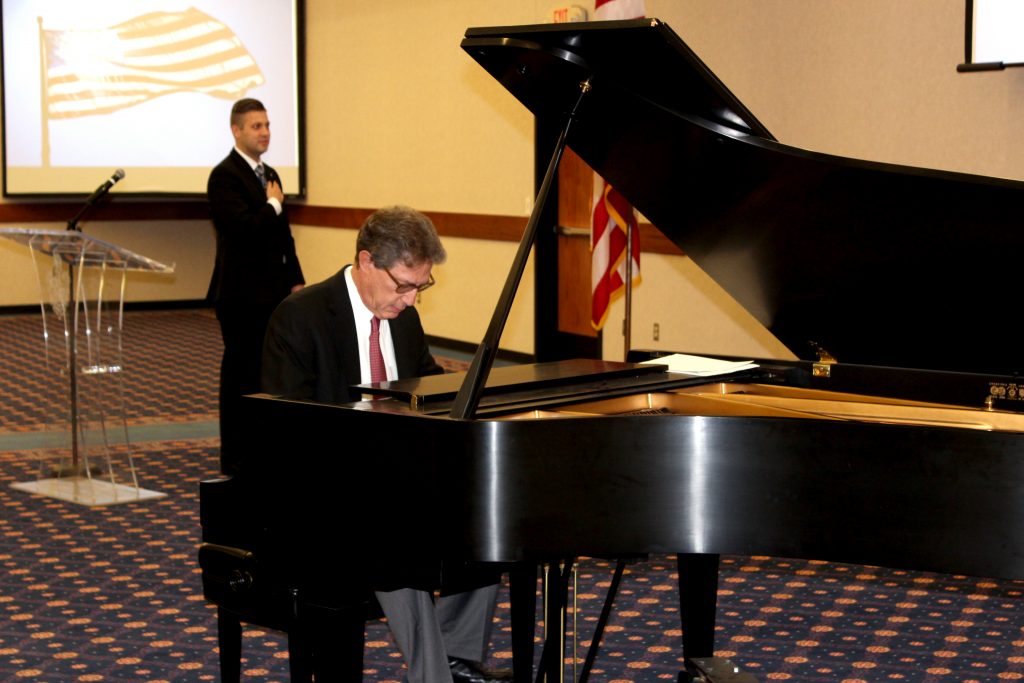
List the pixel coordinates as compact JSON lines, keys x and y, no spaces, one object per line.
{"x":377,"y":371}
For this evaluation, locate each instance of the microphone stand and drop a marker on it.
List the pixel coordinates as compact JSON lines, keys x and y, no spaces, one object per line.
{"x":73,"y":223}
{"x":72,"y":341}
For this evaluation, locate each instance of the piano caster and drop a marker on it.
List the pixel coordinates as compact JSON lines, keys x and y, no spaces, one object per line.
{"x":713,"y":670}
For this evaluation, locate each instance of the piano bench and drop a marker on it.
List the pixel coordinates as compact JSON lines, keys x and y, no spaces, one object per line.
{"x":244,"y":592}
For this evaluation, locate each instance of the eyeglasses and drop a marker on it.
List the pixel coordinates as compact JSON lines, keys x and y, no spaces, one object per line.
{"x":406,"y":287}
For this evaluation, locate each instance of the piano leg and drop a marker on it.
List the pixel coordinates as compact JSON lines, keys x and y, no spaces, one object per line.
{"x":337,"y":637}
{"x":698,"y":601}
{"x":300,"y":666}
{"x":229,"y":640}
{"x":522,"y":584}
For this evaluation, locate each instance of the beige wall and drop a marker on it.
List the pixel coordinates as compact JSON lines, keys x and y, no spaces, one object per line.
{"x":407,"y":117}
{"x":403,"y":115}
{"x":871,"y":79}
{"x":397,"y":113}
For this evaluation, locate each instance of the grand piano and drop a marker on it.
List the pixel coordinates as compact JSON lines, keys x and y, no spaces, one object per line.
{"x":895,"y":439}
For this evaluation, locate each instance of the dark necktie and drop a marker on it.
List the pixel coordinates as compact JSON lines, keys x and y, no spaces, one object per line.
{"x":261,"y":175}
{"x":377,"y":371}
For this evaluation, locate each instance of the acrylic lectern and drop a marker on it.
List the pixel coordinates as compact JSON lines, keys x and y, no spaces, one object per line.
{"x":82,"y":282}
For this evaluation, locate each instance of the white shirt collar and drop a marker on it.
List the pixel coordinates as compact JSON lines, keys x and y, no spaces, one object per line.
{"x":249,"y":160}
{"x":359,"y":309}
{"x":362,"y":315}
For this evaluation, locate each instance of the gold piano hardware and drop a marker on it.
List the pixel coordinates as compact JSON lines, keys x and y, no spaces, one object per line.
{"x":823,"y":367}
{"x":725,"y":399}
{"x":1006,"y":392}
{"x":1005,"y":395}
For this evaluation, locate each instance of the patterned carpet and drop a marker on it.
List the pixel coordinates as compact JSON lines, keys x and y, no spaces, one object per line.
{"x":172,"y":358}
{"x":113,"y":593}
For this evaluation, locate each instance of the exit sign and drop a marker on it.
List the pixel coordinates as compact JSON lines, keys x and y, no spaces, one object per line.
{"x":561,"y":15}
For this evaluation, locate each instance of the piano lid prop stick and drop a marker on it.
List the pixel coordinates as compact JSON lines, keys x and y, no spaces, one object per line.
{"x":468,"y":398}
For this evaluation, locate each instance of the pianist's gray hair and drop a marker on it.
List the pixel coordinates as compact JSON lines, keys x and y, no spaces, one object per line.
{"x":399,"y":234}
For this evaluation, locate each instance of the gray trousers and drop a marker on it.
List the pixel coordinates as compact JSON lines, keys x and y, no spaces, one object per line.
{"x":427,"y":634}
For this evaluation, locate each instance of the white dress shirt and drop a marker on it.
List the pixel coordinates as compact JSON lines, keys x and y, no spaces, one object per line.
{"x":363,"y":316}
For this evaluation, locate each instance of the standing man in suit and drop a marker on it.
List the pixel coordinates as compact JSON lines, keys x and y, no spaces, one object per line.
{"x":324,"y":339}
{"x":256,"y":266}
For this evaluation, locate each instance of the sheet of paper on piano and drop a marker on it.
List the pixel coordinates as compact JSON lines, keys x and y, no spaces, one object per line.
{"x":701,"y":366}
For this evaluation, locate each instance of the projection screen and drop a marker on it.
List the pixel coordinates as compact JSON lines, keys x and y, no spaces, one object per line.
{"x":994,"y":32}
{"x":145,"y":86}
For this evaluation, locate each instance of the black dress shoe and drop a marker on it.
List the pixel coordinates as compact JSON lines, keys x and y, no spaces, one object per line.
{"x":465,"y":671}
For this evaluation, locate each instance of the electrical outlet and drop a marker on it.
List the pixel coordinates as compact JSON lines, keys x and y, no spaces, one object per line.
{"x":657,"y":331}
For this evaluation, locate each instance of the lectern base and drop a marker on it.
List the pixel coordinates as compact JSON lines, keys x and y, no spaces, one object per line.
{"x":86,"y":491}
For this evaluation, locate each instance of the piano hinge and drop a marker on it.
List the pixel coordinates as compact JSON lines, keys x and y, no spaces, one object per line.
{"x":823,"y":366}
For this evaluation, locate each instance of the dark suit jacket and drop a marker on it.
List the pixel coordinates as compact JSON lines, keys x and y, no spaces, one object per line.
{"x":256,"y":260}
{"x":311,"y":351}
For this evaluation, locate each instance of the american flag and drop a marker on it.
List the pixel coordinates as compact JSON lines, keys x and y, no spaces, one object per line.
{"x":613,"y":216}
{"x":97,"y":71}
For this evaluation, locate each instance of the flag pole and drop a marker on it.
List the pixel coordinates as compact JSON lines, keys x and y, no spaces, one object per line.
{"x":627,"y":321}
{"x":44,"y":114}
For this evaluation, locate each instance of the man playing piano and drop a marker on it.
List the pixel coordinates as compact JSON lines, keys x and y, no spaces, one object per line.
{"x":360,"y":326}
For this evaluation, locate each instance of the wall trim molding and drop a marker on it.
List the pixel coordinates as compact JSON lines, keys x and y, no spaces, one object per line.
{"x":467,"y":225}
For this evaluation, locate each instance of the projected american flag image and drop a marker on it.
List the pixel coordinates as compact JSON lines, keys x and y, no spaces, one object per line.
{"x":98,"y":71}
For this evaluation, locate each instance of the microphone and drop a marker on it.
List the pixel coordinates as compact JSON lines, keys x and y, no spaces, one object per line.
{"x":100,"y":191}
{"x":105,"y":187}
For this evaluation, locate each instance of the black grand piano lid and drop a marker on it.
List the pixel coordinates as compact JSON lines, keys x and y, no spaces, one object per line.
{"x":876,"y":263}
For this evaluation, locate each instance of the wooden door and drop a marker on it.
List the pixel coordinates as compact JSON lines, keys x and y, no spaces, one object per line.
{"x":575,"y":190}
